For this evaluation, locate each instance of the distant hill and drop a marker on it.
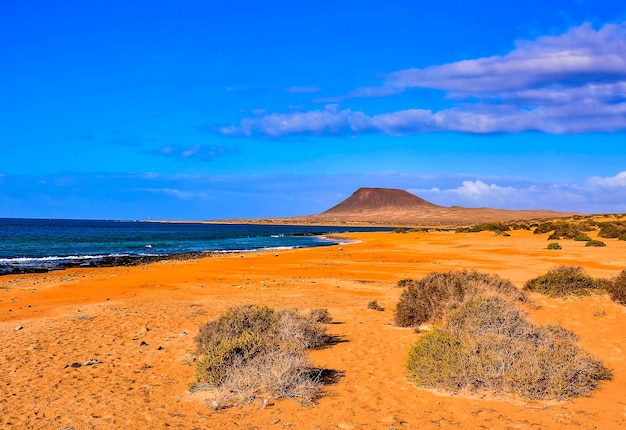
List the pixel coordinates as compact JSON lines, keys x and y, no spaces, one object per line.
{"x":398,"y":207}
{"x":394,"y":207}
{"x":379,"y":199}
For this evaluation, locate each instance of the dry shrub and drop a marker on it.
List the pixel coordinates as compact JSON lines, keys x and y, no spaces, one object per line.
{"x":617,"y":288}
{"x":582,"y":238}
{"x":565,"y":280}
{"x":320,"y":315}
{"x":374,"y":305}
{"x":487,"y":344}
{"x":255,"y":352}
{"x":430,"y":298}
{"x":554,"y":245}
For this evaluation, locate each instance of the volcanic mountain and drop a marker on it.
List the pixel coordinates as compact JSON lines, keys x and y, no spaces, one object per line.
{"x":379,"y":199}
{"x":398,"y":207}
{"x":394,"y":207}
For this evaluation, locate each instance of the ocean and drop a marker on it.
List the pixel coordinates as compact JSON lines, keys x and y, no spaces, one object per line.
{"x":48,"y":244}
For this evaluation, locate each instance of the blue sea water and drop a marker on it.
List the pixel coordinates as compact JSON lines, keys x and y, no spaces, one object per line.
{"x":50,"y":243}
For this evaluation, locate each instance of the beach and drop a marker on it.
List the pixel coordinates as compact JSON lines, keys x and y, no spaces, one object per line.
{"x":113,"y":347}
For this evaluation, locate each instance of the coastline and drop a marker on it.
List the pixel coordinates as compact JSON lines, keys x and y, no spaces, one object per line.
{"x":40,"y":246}
{"x":138,"y":324}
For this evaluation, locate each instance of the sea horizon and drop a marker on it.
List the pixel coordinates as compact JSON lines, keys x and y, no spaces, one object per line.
{"x":42,"y":244}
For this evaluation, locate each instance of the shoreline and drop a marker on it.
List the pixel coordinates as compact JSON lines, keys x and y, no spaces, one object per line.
{"x":140,"y":260}
{"x":36,"y":249}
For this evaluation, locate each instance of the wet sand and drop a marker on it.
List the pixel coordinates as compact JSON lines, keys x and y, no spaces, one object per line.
{"x":131,"y":330}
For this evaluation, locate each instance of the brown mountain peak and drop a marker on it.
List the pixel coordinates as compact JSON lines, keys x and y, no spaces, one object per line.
{"x":377,"y":199}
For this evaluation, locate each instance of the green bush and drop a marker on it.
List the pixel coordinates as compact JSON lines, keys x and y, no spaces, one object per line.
{"x":565,"y":280}
{"x":617,"y":288}
{"x":595,"y":243}
{"x":253,"y":351}
{"x":553,"y":245}
{"x":582,"y":238}
{"x":487,"y":344}
{"x":437,"y":293}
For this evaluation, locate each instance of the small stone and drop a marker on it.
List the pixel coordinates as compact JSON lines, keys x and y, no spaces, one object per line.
{"x":19,"y":327}
{"x":143,"y":343}
{"x":75,"y":365}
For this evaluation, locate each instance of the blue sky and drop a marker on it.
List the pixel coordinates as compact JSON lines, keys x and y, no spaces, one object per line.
{"x":206,"y":110}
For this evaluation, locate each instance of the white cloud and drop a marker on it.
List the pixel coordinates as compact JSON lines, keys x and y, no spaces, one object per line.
{"x":177,"y":193}
{"x":299,"y":90}
{"x":574,"y":82}
{"x":330,"y":120}
{"x":191,"y":152}
{"x":618,"y":180}
{"x":580,"y":54}
{"x":594,"y":195}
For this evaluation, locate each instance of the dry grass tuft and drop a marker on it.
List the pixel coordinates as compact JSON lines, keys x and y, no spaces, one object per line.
{"x":256,"y":352}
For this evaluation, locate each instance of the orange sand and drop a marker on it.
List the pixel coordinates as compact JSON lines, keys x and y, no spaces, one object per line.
{"x":50,"y":321}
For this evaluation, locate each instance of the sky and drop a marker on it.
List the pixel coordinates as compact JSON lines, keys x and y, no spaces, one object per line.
{"x":246,"y":109}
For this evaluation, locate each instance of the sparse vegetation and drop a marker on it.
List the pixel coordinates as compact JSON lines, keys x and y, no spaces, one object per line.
{"x":612,"y":230}
{"x":595,"y":243}
{"x":488,"y":344}
{"x":430,"y":298}
{"x":487,"y":226}
{"x":564,"y":281}
{"x":256,"y":352}
{"x":375,"y":306}
{"x":554,"y":245}
{"x":562,"y":229}
{"x":617,"y":288}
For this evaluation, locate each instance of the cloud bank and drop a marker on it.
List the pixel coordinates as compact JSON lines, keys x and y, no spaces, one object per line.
{"x":573,"y":82}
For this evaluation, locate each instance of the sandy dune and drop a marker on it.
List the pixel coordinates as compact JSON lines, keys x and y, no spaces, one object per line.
{"x":136,"y":326}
